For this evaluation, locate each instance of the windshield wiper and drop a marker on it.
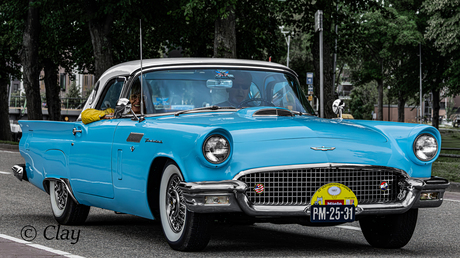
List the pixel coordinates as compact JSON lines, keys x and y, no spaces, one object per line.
{"x":202,"y":108}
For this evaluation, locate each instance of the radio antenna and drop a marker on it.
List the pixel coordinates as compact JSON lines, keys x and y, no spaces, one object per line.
{"x":141,"y":79}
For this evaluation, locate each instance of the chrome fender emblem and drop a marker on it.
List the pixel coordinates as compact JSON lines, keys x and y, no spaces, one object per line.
{"x":323,"y":148}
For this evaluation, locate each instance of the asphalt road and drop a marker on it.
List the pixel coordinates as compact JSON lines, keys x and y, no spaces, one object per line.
{"x":106,"y":234}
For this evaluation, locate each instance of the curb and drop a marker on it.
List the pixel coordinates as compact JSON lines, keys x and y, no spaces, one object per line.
{"x":12,"y":147}
{"x":453,"y":187}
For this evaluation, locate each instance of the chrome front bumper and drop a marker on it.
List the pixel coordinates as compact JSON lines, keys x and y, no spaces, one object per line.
{"x":196,"y":194}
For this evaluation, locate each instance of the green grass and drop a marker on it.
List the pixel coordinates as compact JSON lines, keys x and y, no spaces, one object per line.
{"x":448,"y":167}
{"x":8,"y":142}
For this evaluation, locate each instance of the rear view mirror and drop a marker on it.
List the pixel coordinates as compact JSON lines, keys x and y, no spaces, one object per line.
{"x":123,"y":107}
{"x":219,"y":84}
{"x":338,"y":107}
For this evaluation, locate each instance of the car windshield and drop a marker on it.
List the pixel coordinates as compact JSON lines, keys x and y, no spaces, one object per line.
{"x":175,"y":90}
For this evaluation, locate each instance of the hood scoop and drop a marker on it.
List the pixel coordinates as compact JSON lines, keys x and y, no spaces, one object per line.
{"x":272,"y":112}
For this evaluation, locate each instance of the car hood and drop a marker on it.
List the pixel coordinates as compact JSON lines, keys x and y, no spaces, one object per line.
{"x":244,"y":127}
{"x":264,"y":141}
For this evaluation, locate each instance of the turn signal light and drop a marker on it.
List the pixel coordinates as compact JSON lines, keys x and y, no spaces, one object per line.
{"x":217,"y":200}
{"x":429,"y":196}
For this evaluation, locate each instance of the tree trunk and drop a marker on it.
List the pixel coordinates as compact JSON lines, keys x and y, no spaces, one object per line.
{"x":225,"y":35}
{"x":436,"y":107}
{"x":401,"y":107}
{"x":29,"y":60}
{"x":53,"y":101}
{"x":5,"y":128}
{"x":100,"y":29}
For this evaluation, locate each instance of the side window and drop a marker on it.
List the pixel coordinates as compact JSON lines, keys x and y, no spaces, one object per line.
{"x":112,"y":94}
{"x":93,"y":94}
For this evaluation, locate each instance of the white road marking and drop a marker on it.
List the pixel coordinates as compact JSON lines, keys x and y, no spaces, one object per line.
{"x":3,"y":172}
{"x":42,"y":247}
{"x":9,"y":151}
{"x":451,"y":200}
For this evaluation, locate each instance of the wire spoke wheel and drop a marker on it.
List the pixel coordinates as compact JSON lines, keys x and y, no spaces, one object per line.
{"x":175,"y":208}
{"x":61,"y":195}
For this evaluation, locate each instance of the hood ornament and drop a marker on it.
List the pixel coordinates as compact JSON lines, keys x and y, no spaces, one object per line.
{"x":323,"y":148}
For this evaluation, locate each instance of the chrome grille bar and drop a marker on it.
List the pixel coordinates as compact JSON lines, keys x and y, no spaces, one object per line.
{"x":296,"y":186}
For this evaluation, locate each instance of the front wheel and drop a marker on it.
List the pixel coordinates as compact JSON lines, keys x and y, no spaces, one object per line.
{"x":390,"y":231}
{"x":184,"y":230}
{"x":65,"y":210}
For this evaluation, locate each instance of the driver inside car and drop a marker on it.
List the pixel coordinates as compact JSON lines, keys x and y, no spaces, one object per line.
{"x":92,"y":115}
{"x":239,"y":92}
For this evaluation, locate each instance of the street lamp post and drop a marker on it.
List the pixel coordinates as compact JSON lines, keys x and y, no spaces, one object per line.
{"x":389,"y":115}
{"x":288,"y":41}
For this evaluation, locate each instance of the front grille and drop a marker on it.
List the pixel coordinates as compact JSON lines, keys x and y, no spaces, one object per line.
{"x":297,"y":186}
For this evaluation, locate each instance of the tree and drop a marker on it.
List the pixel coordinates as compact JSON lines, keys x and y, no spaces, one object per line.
{"x":363,"y":100}
{"x":443,"y":31}
{"x":58,"y":37}
{"x":9,"y":64}
{"x":444,"y":24}
{"x":225,"y":34}
{"x":299,"y":15}
{"x":387,"y":43}
{"x":29,"y":61}
{"x":255,"y":24}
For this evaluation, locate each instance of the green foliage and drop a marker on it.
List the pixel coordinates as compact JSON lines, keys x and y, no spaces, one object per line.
{"x":443,"y":24}
{"x":450,"y":109}
{"x":363,"y":99}
{"x":10,"y":40}
{"x":73,"y":91}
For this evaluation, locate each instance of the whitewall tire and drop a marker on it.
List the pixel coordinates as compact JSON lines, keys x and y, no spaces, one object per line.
{"x":184,"y":230}
{"x":65,"y":210}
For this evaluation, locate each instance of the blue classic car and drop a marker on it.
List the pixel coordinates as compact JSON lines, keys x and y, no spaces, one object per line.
{"x":192,"y":141}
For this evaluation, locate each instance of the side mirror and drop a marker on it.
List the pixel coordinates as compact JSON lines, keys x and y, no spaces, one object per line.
{"x":338,"y":107}
{"x":123,"y":107}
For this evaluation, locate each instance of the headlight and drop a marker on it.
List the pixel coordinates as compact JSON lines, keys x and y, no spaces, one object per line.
{"x":425,"y":147}
{"x":216,"y":149}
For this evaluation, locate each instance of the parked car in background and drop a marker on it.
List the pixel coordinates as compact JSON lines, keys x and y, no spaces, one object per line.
{"x":193,"y":154}
{"x":16,"y":131}
{"x":456,"y":120}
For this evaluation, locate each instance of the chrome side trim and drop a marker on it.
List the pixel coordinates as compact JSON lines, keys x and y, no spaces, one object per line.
{"x":65,"y":181}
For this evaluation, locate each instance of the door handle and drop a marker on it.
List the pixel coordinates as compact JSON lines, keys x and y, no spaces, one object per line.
{"x":75,"y":131}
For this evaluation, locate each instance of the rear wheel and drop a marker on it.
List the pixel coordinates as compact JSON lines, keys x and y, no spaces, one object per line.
{"x":389,"y":231}
{"x":184,"y":230}
{"x":65,"y":210}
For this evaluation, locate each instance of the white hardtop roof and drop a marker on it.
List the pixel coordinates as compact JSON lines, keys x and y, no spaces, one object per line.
{"x":132,"y":66}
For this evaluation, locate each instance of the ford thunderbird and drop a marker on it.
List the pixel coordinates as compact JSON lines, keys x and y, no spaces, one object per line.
{"x":192,"y":141}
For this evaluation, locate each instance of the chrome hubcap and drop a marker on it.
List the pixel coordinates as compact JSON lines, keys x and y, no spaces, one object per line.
{"x":175,"y":207}
{"x":61,"y":194}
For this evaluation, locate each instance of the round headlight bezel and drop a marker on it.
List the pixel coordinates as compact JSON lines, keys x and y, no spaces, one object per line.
{"x":416,"y":150}
{"x":206,"y":151}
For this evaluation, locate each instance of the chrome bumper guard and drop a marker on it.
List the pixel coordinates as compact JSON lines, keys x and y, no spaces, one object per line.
{"x":19,"y":171}
{"x":196,"y":193}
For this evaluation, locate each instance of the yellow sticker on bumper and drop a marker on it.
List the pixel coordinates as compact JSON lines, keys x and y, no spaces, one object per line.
{"x":334,"y":194}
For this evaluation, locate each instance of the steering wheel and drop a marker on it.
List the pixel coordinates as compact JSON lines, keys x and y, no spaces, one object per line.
{"x":244,"y":102}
